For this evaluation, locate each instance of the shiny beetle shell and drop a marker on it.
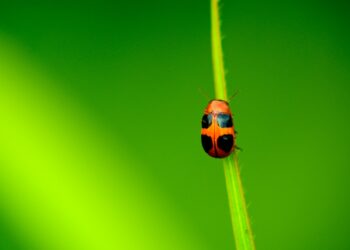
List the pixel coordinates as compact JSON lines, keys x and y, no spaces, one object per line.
{"x":218,"y":134}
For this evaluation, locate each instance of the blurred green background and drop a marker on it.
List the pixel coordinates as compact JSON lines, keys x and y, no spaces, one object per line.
{"x":100,"y":121}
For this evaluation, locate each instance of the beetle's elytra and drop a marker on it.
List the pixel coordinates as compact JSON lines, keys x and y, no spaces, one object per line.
{"x":218,"y":134}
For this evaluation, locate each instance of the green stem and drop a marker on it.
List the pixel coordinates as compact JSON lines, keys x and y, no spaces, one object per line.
{"x":239,"y":215}
{"x":218,"y":62}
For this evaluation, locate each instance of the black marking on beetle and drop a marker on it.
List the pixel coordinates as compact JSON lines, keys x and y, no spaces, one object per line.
{"x":224,"y":120}
{"x":225,"y":142}
{"x":206,"y":120}
{"x":206,"y":143}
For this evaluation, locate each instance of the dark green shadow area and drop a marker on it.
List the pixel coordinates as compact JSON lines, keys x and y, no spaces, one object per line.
{"x":10,"y":237}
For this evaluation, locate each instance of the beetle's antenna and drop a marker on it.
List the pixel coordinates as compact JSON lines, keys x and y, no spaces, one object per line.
{"x":232,"y":96}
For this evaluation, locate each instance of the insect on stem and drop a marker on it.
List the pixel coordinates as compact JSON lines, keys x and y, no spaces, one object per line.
{"x":239,"y":215}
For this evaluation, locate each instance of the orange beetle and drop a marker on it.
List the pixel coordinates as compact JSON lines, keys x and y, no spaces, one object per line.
{"x":218,"y":134}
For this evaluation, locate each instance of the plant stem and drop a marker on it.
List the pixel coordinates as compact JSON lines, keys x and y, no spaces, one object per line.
{"x":239,"y":215}
{"x":218,"y":62}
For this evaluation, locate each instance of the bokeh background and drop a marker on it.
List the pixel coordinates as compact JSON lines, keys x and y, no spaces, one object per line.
{"x":100,"y":115}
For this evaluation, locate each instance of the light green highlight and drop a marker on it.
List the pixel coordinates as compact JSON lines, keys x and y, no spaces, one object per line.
{"x":60,"y":183}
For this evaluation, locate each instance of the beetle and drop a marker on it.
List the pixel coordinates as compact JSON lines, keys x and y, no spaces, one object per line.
{"x":218,"y":134}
